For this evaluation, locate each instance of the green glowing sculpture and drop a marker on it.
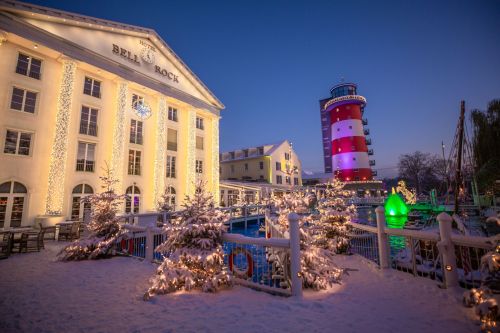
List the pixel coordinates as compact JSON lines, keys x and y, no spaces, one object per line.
{"x":395,"y":206}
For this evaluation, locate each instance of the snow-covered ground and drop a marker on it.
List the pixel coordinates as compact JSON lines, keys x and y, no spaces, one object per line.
{"x":39,"y":294}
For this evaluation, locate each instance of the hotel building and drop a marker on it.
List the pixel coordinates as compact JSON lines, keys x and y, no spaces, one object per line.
{"x":78,"y":93}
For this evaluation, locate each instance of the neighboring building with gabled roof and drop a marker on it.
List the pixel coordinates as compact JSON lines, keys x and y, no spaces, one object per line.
{"x":275,"y":164}
{"x":78,"y":92}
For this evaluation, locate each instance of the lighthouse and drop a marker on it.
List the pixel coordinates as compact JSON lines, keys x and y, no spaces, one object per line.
{"x":345,"y":145}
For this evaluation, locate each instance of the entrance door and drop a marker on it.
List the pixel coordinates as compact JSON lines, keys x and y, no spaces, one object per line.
{"x":13,"y":196}
{"x":77,"y":207}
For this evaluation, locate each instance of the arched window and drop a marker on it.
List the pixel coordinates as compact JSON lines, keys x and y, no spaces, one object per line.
{"x":133,"y":200}
{"x":13,"y":196}
{"x":79,"y":192}
{"x":171,"y":195}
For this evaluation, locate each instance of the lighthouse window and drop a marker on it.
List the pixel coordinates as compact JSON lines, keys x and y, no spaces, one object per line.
{"x":338,"y":129}
{"x":354,"y":158}
{"x":350,"y":127}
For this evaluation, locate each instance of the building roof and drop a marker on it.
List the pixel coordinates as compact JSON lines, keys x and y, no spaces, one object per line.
{"x":274,"y":147}
{"x":16,"y":9}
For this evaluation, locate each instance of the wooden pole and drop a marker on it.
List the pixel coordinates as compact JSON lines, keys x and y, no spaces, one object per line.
{"x":458,"y":174}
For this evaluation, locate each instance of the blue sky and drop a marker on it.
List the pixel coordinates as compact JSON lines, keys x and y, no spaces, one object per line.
{"x":270,"y":62}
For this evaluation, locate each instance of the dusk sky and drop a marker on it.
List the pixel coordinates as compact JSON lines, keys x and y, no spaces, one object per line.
{"x":270,"y":62}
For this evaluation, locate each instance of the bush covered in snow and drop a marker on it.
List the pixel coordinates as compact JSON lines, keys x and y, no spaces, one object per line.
{"x":193,"y":254}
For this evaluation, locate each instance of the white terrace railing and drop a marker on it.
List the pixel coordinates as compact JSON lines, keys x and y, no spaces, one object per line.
{"x":452,"y":259}
{"x":268,"y":264}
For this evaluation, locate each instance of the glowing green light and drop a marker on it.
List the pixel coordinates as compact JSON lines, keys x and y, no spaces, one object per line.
{"x":395,"y":206}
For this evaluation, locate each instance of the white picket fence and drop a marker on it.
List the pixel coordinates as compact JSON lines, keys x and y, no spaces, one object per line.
{"x":268,"y":264}
{"x":452,"y":259}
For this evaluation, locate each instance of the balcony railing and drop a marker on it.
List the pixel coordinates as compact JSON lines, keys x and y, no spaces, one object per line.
{"x":368,"y":141}
{"x":374,"y":172}
{"x":88,"y":129}
{"x":372,"y":162}
{"x":366,"y":131}
{"x":370,"y":151}
{"x":365,"y":121}
{"x":83,"y":165}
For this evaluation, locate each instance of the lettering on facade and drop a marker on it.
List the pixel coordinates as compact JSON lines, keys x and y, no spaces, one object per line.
{"x":148,"y":57}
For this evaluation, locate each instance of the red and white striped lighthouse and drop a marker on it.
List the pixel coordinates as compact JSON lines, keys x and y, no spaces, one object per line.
{"x":345,"y":145}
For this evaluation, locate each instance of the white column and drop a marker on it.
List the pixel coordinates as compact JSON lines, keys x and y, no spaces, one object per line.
{"x":161,"y":150}
{"x":59,"y":154}
{"x":215,"y":160}
{"x":447,"y":250}
{"x":295,"y":269}
{"x":117,"y":157}
{"x":191,"y":152}
{"x":382,"y":238}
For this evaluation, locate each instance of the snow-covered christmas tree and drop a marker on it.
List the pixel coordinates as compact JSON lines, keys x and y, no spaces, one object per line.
{"x":104,"y":227}
{"x":329,"y":227}
{"x":193,"y":253}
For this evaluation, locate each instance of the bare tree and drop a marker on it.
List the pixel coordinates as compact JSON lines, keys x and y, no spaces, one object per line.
{"x":419,"y":169}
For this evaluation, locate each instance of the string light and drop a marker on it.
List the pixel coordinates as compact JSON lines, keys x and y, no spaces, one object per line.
{"x":191,"y":152}
{"x":55,"y":191}
{"x":119,"y":136}
{"x":215,"y":160}
{"x":344,"y":98}
{"x":159,"y":177}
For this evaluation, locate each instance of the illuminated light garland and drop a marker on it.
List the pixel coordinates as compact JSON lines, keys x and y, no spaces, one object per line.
{"x":191,"y":153}
{"x":215,"y":160}
{"x":344,"y":98}
{"x":119,"y":136}
{"x":59,"y":154}
{"x":159,"y":177}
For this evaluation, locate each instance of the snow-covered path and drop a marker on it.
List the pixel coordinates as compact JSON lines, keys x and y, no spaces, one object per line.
{"x":39,"y":294}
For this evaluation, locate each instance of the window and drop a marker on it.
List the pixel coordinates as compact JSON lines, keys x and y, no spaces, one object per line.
{"x":171,"y":139}
{"x":170,"y":166}
{"x":287,"y":156}
{"x":199,"y":142}
{"x":245,"y":152}
{"x":23,"y":100}
{"x":172,"y":114}
{"x":134,"y":162}
{"x":17,"y":143}
{"x":79,"y":192}
{"x":278,"y":166}
{"x":13,"y":196}
{"x":85,"y":158}
{"x":288,"y":180}
{"x":92,"y":87}
{"x":261,"y":165}
{"x":88,"y":121}
{"x":199,"y":166}
{"x":171,"y":196}
{"x":133,"y":200}
{"x":295,"y":181}
{"x":136,"y":131}
{"x":199,"y":123}
{"x":261,"y":150}
{"x":246,"y":166}
{"x":136,"y":100}
{"x":279,"y":179}
{"x":29,"y":66}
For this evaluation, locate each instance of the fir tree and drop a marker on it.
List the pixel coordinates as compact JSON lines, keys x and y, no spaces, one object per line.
{"x":193,"y":254}
{"x":104,"y":227}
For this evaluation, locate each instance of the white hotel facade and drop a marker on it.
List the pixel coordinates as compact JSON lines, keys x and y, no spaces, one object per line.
{"x":77,"y":93}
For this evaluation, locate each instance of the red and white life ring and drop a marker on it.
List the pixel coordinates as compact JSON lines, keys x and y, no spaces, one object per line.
{"x":129,"y":248}
{"x":240,"y":273}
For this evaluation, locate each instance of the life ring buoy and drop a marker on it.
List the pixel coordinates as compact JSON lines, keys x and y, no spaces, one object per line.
{"x":130,"y":248}
{"x":240,"y":273}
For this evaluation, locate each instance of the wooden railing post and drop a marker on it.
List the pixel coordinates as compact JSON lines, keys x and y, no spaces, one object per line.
{"x":267,"y":217}
{"x":149,"y":243}
{"x":447,"y":250}
{"x":295,"y":269}
{"x":383,"y":240}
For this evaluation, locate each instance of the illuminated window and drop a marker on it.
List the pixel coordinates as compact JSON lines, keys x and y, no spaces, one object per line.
{"x":199,"y":123}
{"x":17,"y":143}
{"x":77,"y":208}
{"x":199,"y":142}
{"x":133,"y":200}
{"x":172,"y":114}
{"x":136,"y":131}
{"x":29,"y":66}
{"x":170,"y":166}
{"x":92,"y":87}
{"x":171,"y":196}
{"x":23,"y":100}
{"x":134,"y":162}
{"x":88,"y":121}
{"x":85,"y":159}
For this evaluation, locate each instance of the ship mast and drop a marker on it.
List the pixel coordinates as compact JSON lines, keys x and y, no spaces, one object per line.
{"x":458,"y":173}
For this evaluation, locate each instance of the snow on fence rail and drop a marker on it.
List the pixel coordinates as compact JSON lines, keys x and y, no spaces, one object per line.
{"x":451,"y":259}
{"x":268,"y":264}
